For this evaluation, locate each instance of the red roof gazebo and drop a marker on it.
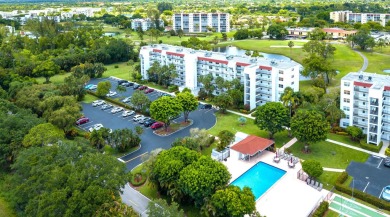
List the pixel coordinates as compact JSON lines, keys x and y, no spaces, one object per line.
{"x":251,"y":145}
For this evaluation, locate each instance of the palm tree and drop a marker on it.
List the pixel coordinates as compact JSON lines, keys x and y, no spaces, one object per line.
{"x":290,"y":99}
{"x":96,"y":139}
{"x":290,"y":45}
{"x":381,"y":43}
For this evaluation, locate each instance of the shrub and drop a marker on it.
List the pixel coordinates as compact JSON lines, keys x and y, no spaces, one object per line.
{"x":320,"y":211}
{"x":359,"y":194}
{"x":160,"y":41}
{"x":137,"y":179}
{"x":116,"y":66}
{"x":243,"y":111}
{"x":210,"y":141}
{"x":247,"y":107}
{"x":337,"y":129}
{"x":387,"y":152}
{"x":370,"y":147}
{"x":173,"y":88}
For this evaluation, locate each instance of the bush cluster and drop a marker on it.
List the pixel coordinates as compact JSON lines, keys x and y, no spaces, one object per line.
{"x":370,"y":147}
{"x":337,"y":130}
{"x":210,"y":141}
{"x":387,"y":152}
{"x":381,"y":204}
{"x":173,"y":88}
{"x":135,"y":182}
{"x":320,"y":211}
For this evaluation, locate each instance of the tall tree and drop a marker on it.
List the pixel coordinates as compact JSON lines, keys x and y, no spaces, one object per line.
{"x":43,"y":134}
{"x":312,"y":168}
{"x":225,"y":138}
{"x":207,"y":83}
{"x":363,"y":39}
{"x":139,"y":100}
{"x":164,"y":109}
{"x":290,"y":45}
{"x":272,"y":116}
{"x":277,"y":31}
{"x":223,"y":101}
{"x":188,"y":103}
{"x":161,"y":208}
{"x":309,"y":126}
{"x":46,"y":69}
{"x":231,"y":201}
{"x":103,"y":87}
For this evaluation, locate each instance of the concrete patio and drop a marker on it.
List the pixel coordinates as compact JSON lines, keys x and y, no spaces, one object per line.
{"x":289,"y":196}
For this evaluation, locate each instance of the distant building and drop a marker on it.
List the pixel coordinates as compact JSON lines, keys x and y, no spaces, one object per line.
{"x":365,"y":100}
{"x":334,"y":33}
{"x":339,"y":16}
{"x":200,"y":22}
{"x":350,"y":17}
{"x":337,"y":33}
{"x":264,"y":79}
{"x":299,"y":32}
{"x":145,"y":24}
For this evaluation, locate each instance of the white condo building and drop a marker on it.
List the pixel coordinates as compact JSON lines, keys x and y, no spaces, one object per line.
{"x":365,"y":99}
{"x":145,"y":24}
{"x":198,"y":22}
{"x":264,"y":79}
{"x":349,"y":16}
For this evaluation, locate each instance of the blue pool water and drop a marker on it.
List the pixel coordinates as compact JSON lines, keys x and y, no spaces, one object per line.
{"x":259,"y":178}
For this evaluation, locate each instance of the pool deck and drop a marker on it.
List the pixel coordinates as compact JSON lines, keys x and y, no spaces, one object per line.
{"x":289,"y":196}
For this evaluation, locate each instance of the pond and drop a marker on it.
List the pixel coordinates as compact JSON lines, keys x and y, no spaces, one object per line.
{"x":386,"y":71}
{"x":231,"y":50}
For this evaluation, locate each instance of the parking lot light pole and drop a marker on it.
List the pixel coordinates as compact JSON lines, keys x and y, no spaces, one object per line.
{"x":353,"y":185}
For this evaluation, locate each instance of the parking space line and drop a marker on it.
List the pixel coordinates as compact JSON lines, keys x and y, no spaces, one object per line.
{"x":379,"y":163}
{"x":364,"y":190}
{"x":136,"y":157}
{"x":381,"y":193}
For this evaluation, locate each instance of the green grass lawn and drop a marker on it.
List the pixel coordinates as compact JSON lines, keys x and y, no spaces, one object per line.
{"x":230,"y":122}
{"x":377,"y":62}
{"x":329,"y":155}
{"x":111,"y":151}
{"x":331,"y":213}
{"x":5,"y":210}
{"x":56,"y":79}
{"x":344,"y":139}
{"x":328,"y":179}
{"x":384,"y":50}
{"x":123,"y":70}
{"x":88,"y":98}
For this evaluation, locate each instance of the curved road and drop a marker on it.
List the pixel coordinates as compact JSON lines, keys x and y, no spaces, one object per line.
{"x":365,"y":61}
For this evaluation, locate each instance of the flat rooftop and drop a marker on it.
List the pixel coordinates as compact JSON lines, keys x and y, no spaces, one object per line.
{"x":281,"y":64}
{"x":378,"y":80}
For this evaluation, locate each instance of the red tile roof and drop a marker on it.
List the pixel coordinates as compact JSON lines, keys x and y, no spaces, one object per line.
{"x":361,"y":84}
{"x":387,"y":88}
{"x":242,"y":64}
{"x":157,"y":50}
{"x":266,"y":67}
{"x":251,"y":145}
{"x":175,"y":54}
{"x":213,"y":60}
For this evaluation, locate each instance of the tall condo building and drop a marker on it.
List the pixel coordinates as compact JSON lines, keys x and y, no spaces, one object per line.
{"x":350,"y":17}
{"x":365,"y":99}
{"x":264,"y":79}
{"x":199,"y":22}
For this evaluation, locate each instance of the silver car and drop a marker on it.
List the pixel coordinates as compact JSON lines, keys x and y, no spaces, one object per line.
{"x":127,"y":113}
{"x":97,"y":103}
{"x":116,"y":110}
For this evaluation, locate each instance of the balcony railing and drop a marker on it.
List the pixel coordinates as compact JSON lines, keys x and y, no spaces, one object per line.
{"x":374,"y":103}
{"x":387,"y":112}
{"x":386,"y":93}
{"x":373,"y":129}
{"x":356,"y":105}
{"x":263,"y":98}
{"x":386,"y":120}
{"x":359,"y":89}
{"x":263,"y":79}
{"x":360,"y":123}
{"x":360,"y":114}
{"x":387,"y":129}
{"x":374,"y":112}
{"x":258,"y":84}
{"x":386,"y":102}
{"x":361,"y":98}
{"x":373,"y":120}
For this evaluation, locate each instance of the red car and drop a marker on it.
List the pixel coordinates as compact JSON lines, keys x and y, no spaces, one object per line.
{"x":82,"y":120}
{"x":149,"y":90}
{"x":142,"y":88}
{"x":157,"y":125}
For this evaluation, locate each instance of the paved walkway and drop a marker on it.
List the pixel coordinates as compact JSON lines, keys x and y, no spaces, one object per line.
{"x":356,"y":148}
{"x":135,"y":199}
{"x":365,"y":61}
{"x":384,"y":147}
{"x":240,"y":114}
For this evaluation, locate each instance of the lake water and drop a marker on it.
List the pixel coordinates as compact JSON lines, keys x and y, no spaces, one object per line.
{"x":386,"y":71}
{"x":231,"y":50}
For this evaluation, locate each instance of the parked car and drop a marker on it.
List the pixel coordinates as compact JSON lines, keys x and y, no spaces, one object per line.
{"x":116,"y":110}
{"x":93,"y":87}
{"x":111,"y":94}
{"x":127,"y":99}
{"x":149,"y":122}
{"x":127,"y":84}
{"x":137,"y":117}
{"x":121,"y":82}
{"x":149,"y":90}
{"x":95,"y":127}
{"x":386,"y":193}
{"x":387,"y":164}
{"x":128,"y":113}
{"x":107,"y":106}
{"x":98,"y":103}
{"x":142,"y":120}
{"x":206,"y":106}
{"x":88,"y":86}
{"x":157,"y":125}
{"x":82,"y":120}
{"x":136,"y":86}
{"x":142,"y":88}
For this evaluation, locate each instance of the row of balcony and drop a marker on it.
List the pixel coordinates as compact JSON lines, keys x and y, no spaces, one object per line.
{"x":361,"y":89}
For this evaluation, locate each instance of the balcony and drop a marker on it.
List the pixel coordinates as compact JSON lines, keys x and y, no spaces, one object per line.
{"x":266,"y":92}
{"x":267,"y":85}
{"x":374,"y":120}
{"x":263,"y":78}
{"x":374,"y":102}
{"x":373,"y":139}
{"x":386,"y":128}
{"x":357,"y":105}
{"x":373,"y":129}
{"x":361,"y":98}
{"x":262,"y":98}
{"x":386,"y":120}
{"x":374,"y":112}
{"x":386,"y":93}
{"x":361,"y":89}
{"x":360,"y":114}
{"x":386,"y":112}
{"x":386,"y":102}
{"x":360,"y":123}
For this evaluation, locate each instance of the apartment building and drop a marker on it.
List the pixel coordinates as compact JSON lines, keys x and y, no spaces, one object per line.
{"x":145,"y":24}
{"x":199,"y":22}
{"x":365,"y":100}
{"x":339,"y":16}
{"x":264,"y":79}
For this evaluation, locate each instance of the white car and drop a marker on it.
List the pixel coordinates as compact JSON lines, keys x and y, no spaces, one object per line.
{"x":138,"y":117}
{"x":97,"y":103}
{"x":116,"y":110}
{"x":96,"y":127}
{"x":127,"y":113}
{"x":127,"y":99}
{"x":93,"y":87}
{"x":111,"y":93}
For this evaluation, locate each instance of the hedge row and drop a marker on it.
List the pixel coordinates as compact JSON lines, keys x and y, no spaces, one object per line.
{"x":381,"y":204}
{"x":387,"y":152}
{"x":320,"y":211}
{"x":370,"y":147}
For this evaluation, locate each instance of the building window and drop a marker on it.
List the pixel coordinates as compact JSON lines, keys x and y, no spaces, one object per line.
{"x":345,"y":124}
{"x":364,"y":112}
{"x":347,"y":116}
{"x":346,"y":100}
{"x":280,"y":85}
{"x":364,"y":103}
{"x":280,"y":79}
{"x":347,"y":84}
{"x":363,"y":120}
{"x":281,"y":72}
{"x":346,"y":108}
{"x":292,"y":83}
{"x":347,"y":92}
{"x":292,"y":76}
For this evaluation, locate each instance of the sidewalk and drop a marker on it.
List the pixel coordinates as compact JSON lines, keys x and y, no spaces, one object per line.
{"x":240,"y":114}
{"x":356,"y":148}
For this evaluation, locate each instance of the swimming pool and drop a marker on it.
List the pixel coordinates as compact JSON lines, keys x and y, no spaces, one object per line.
{"x":259,"y":178}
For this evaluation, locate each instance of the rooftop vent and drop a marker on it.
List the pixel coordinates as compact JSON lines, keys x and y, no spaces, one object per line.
{"x":153,"y":45}
{"x":229,"y":57}
{"x":165,"y":48}
{"x":369,"y":78}
{"x":179,"y":49}
{"x":360,"y":77}
{"x":192,"y":52}
{"x":253,"y":60}
{"x":273,"y":62}
{"x":208,"y":54}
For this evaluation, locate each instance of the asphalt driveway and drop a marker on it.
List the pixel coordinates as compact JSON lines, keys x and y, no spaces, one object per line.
{"x":370,"y":177}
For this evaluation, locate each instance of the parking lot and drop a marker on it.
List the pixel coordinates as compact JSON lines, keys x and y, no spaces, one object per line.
{"x":202,"y":118}
{"x":371,"y":176}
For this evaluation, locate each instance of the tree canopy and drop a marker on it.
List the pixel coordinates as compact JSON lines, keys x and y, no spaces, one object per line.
{"x":188,"y":103}
{"x":312,"y":168}
{"x":272,"y":116}
{"x":164,"y":109}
